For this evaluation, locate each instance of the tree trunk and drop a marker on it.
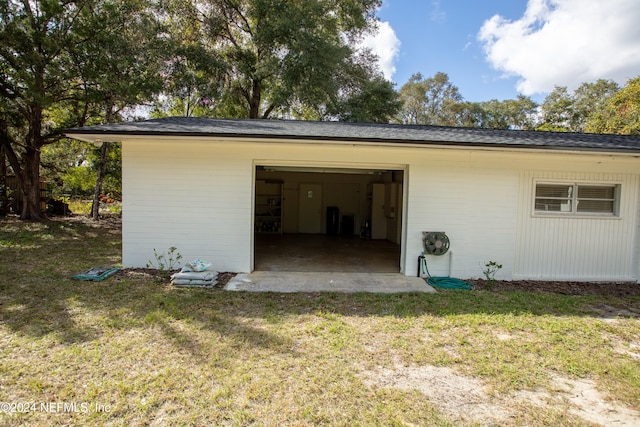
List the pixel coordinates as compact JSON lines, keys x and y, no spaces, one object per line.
{"x":31,"y":165}
{"x":31,"y":186}
{"x":31,"y":157}
{"x":254,"y":104}
{"x":4,"y":202}
{"x":102,"y":166}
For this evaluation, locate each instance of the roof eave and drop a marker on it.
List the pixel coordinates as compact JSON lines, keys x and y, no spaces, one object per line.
{"x":116,"y":136}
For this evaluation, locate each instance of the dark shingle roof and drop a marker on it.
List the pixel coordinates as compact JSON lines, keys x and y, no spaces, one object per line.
{"x":365,"y":132}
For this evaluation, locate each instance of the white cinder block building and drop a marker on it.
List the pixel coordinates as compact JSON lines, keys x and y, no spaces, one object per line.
{"x":552,"y":206}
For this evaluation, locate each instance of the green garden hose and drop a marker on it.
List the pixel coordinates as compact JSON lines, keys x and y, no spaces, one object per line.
{"x":444,"y":282}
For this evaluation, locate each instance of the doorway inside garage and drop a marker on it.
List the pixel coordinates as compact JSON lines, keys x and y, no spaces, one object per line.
{"x":323,"y":219}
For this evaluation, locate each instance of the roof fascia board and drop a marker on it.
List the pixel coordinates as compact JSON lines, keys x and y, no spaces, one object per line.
{"x":131,"y":136}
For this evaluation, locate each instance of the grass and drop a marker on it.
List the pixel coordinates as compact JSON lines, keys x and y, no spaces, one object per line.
{"x":83,"y":207}
{"x":80,"y":207}
{"x":136,"y":351}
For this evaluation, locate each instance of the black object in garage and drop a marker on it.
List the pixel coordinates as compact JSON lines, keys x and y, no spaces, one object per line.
{"x":333,"y":220}
{"x":347,"y":225}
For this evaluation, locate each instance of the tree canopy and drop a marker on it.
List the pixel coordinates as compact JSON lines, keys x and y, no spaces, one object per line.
{"x":519,"y":113}
{"x":621,"y":112}
{"x":565,"y":112}
{"x":437,"y":101}
{"x":600,"y":106}
{"x":68,"y":64}
{"x":254,"y":58}
{"x":73,"y":63}
{"x":430,"y":101}
{"x":37,"y":44}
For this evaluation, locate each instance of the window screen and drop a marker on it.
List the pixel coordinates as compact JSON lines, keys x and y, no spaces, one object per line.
{"x":576,"y":198}
{"x":554,"y":198}
{"x":596,"y":199}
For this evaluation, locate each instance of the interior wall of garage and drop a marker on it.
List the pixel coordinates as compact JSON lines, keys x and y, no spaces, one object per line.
{"x":350,"y":192}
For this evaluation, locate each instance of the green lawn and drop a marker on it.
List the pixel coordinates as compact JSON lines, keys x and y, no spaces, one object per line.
{"x":134,"y":351}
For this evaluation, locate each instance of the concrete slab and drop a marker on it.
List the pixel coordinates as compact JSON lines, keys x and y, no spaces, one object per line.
{"x":273,"y":281}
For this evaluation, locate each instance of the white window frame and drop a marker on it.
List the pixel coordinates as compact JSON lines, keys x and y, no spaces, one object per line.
{"x":571,"y":210}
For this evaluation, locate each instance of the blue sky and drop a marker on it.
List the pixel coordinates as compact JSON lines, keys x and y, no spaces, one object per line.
{"x":496,"y":49}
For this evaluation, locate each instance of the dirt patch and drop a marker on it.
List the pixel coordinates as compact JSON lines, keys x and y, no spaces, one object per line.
{"x":138,"y":273}
{"x":456,"y":395}
{"x":631,"y":349}
{"x":465,"y":397}
{"x":587,"y":403}
{"x":606,"y":311}
{"x":617,"y":289}
{"x":223,"y":279}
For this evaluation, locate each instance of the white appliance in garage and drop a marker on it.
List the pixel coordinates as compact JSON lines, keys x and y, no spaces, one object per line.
{"x":386,"y":211}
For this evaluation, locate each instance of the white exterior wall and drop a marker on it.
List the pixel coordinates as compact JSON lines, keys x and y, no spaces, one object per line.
{"x":197,"y":195}
{"x":188,"y":196}
{"x":636,"y":255}
{"x":586,"y":248}
{"x":473,"y":205}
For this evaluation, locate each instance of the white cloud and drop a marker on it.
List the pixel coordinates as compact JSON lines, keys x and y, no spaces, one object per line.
{"x":386,"y":45}
{"x":437,"y":14}
{"x":566,"y":43}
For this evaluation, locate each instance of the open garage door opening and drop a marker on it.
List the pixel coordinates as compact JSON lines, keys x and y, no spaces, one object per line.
{"x":328,"y":219}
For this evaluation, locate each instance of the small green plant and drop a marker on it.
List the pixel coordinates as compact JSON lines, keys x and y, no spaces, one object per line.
{"x":165,"y":262}
{"x":490,"y":270}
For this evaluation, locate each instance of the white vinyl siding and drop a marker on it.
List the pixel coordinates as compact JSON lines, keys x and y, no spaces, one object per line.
{"x":189,"y":196}
{"x":476,"y":208}
{"x":197,"y":194}
{"x":592,"y":246}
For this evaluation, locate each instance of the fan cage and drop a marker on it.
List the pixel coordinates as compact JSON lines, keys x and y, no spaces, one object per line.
{"x":435,"y":242}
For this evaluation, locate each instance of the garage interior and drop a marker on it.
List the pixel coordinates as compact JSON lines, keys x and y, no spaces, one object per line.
{"x":327,"y":219}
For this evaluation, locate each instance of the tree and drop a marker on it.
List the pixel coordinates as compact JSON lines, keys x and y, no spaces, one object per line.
{"x":521,"y":112}
{"x":565,"y":112}
{"x":58,"y":159}
{"x":35,"y":74}
{"x":62,"y":64}
{"x":431,"y":101}
{"x":121,"y":59}
{"x":621,"y":114}
{"x":517,"y":113}
{"x":589,"y":99}
{"x":374,"y":101}
{"x":268,"y":55}
{"x":71,"y":167}
{"x":364,"y":96}
{"x":557,"y":111}
{"x":192,"y":80}
{"x":436,"y":101}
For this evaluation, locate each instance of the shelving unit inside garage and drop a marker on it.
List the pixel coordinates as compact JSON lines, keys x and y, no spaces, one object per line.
{"x":268,"y":207}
